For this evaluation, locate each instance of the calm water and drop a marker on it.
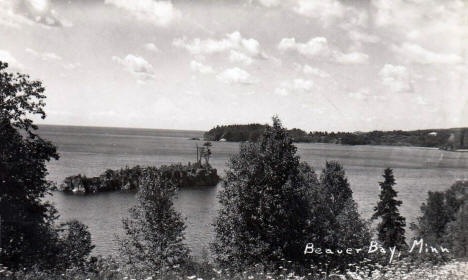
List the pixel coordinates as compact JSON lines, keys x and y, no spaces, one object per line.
{"x":90,"y":151}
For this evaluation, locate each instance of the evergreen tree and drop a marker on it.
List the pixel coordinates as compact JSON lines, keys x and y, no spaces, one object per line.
{"x":155,"y":231}
{"x":264,"y":213}
{"x":391,"y":228}
{"x":457,"y":236}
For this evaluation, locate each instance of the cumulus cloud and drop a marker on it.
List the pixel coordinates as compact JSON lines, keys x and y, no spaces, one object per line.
{"x":5,"y":56}
{"x":396,"y":78}
{"x":296,"y":85}
{"x":151,"y":47}
{"x":46,"y":56}
{"x":160,"y":13}
{"x":199,"y":67}
{"x":16,"y":13}
{"x":361,"y":94}
{"x":307,"y":69}
{"x":235,"y":56}
{"x":351,"y":58}
{"x":244,"y":48}
{"x":137,"y":66}
{"x":318,"y":47}
{"x":235,"y":76}
{"x":415,"y":53}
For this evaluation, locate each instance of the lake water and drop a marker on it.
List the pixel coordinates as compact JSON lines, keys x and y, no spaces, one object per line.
{"x":91,"y":150}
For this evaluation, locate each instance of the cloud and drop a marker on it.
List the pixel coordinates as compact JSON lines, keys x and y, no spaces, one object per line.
{"x":137,"y":66}
{"x":199,"y":67}
{"x":415,"y":53}
{"x":307,"y":69}
{"x":396,"y":78}
{"x":235,"y":76}
{"x":16,"y":13}
{"x":72,"y":66}
{"x":270,"y":3}
{"x":46,"y":56}
{"x":5,"y":56}
{"x":296,"y":85}
{"x":235,"y":56}
{"x":151,"y":47}
{"x":232,"y":41}
{"x":160,"y":13}
{"x":318,"y":47}
{"x":351,"y":58}
{"x":361,"y":94}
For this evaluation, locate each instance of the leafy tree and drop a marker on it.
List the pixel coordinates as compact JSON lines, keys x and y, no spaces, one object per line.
{"x":391,"y":229}
{"x":27,"y":235}
{"x":154,"y":231}
{"x":339,"y":217}
{"x":438,"y":211}
{"x":335,"y":186}
{"x":76,"y":245}
{"x":457,"y":233}
{"x":264,"y":203}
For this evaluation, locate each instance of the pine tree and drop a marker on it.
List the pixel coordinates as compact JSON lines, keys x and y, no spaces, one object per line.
{"x":264,"y":206}
{"x":154,"y":231}
{"x":391,"y":228}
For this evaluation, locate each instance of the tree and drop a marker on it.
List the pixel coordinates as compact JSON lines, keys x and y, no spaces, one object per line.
{"x":27,"y":234}
{"x":75,"y":244}
{"x":457,"y":233}
{"x":206,"y":152}
{"x":391,"y":228}
{"x":342,"y":226}
{"x":264,"y":213}
{"x":155,"y":231}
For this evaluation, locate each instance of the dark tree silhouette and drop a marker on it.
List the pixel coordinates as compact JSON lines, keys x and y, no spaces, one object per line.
{"x":391,"y":228}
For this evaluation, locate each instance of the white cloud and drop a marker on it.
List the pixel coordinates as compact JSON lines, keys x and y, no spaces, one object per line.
{"x":19,"y":12}
{"x":199,"y":67}
{"x":232,"y":41}
{"x":160,"y":13}
{"x":296,"y":85}
{"x":317,"y":46}
{"x":137,"y":66}
{"x":270,"y":3}
{"x":235,"y":76}
{"x":151,"y":47}
{"x":326,"y":11}
{"x":415,"y":53}
{"x":46,"y":56}
{"x":5,"y":56}
{"x":361,"y":94}
{"x":235,"y":56}
{"x":351,"y":58}
{"x":71,"y":66}
{"x":307,"y":69}
{"x":396,"y":78}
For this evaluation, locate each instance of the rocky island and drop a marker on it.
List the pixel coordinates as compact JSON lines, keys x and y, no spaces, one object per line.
{"x":128,"y":179}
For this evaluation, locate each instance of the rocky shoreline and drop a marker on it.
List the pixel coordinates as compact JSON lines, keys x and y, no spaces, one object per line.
{"x":127,"y":179}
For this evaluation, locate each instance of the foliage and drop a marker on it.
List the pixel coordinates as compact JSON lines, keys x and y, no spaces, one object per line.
{"x":27,"y":235}
{"x":75,"y":244}
{"x":129,"y":178}
{"x":263,"y":215}
{"x":421,"y":138}
{"x":438,"y":211}
{"x":457,"y":232}
{"x":391,"y":228}
{"x":154,"y":231}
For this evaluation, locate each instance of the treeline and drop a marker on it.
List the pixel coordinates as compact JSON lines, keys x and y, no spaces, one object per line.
{"x":128,"y":178}
{"x":421,"y":138}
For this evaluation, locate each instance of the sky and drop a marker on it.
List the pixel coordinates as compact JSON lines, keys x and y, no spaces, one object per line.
{"x":319,"y":65}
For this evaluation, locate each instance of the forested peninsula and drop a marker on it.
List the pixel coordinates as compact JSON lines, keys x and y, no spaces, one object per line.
{"x":449,"y":139}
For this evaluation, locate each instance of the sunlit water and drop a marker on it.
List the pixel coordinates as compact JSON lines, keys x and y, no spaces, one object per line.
{"x":90,"y":151}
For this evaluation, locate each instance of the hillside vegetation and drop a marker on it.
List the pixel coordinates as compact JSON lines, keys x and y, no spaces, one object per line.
{"x":452,"y":138}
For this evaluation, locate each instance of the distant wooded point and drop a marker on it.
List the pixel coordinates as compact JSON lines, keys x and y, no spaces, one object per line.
{"x":449,"y":139}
